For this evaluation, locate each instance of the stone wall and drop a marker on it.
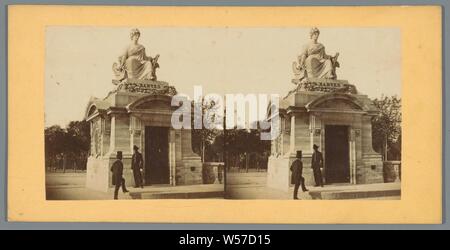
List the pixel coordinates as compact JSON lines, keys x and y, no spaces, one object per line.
{"x":392,"y":171}
{"x":371,"y":171}
{"x":98,"y":174}
{"x":278,"y":173}
{"x":213,"y":172}
{"x":189,"y":172}
{"x":302,"y":133}
{"x":308,"y":173}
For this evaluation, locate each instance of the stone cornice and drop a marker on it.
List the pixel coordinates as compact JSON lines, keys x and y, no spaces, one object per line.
{"x":116,"y":110}
{"x":295,"y":110}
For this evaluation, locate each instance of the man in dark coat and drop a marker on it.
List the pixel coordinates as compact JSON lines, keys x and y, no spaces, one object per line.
{"x":317,"y":165}
{"x":137,"y":166}
{"x":297,"y":178}
{"x":117,"y":177}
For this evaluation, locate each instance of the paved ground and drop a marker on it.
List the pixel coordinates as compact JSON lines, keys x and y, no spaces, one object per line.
{"x":71,"y":186}
{"x":65,"y":179}
{"x":253,"y":186}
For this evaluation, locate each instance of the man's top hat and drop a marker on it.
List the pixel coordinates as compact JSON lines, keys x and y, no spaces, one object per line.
{"x":299,"y":154}
{"x":135,"y":147}
{"x":119,"y":154}
{"x":315,"y":146}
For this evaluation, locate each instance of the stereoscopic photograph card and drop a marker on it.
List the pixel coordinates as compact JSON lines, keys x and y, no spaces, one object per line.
{"x":225,"y":114}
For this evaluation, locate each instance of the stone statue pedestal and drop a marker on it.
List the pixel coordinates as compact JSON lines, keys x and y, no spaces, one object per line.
{"x":324,"y":85}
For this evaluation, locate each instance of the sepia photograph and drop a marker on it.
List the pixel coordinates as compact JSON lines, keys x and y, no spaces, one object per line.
{"x":339,"y":121}
{"x":235,"y":113}
{"x":109,"y":109}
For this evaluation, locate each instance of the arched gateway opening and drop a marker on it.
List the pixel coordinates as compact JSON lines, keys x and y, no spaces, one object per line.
{"x":337,"y":160}
{"x":156,"y":155}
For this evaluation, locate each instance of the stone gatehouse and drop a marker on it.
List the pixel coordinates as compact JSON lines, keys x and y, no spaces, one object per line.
{"x":333,"y":115}
{"x":138,"y":112}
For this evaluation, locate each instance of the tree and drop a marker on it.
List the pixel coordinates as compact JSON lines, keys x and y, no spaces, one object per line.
{"x":78,"y":141}
{"x":203,"y":139}
{"x":79,"y":138}
{"x":54,"y":145}
{"x":70,"y":143}
{"x":241,"y":143}
{"x":386,"y":127}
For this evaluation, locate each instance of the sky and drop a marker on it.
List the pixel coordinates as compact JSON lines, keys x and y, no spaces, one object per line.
{"x":221,"y":60}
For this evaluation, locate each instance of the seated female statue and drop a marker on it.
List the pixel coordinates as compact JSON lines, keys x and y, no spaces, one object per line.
{"x":313,"y":62}
{"x":134,"y":63}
